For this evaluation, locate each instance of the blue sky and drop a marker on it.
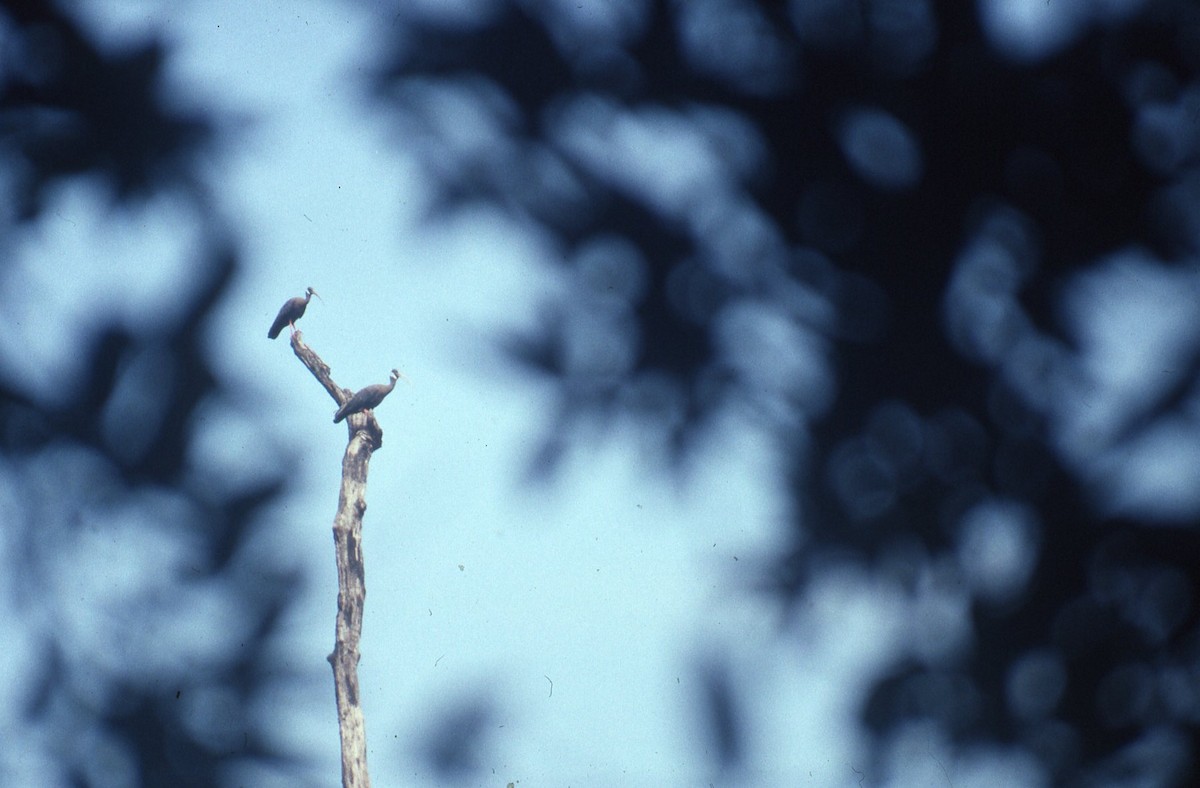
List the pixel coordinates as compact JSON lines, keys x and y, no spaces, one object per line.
{"x":607,"y":583}
{"x":579,"y":607}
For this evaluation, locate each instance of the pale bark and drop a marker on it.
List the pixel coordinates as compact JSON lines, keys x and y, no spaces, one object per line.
{"x":365,"y":438}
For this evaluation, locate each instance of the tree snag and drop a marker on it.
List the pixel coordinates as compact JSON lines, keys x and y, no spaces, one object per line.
{"x":365,"y":438}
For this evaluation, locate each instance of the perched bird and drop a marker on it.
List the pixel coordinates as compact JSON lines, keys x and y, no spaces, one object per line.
{"x":366,"y":398}
{"x":291,"y":311}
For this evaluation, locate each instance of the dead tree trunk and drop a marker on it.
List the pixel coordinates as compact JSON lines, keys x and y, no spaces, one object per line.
{"x":365,"y":438}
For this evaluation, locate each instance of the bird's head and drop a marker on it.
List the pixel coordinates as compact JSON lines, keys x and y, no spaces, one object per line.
{"x":311,"y":292}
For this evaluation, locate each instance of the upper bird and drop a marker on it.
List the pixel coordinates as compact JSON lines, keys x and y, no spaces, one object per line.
{"x":366,"y":398}
{"x":291,"y":311}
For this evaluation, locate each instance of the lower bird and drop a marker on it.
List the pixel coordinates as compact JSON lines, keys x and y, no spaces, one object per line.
{"x":366,"y":398}
{"x":291,"y":311}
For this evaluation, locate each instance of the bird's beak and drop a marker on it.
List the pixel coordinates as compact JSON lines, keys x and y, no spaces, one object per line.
{"x":318,"y":295}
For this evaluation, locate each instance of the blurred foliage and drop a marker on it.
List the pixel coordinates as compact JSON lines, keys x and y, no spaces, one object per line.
{"x":147,"y":618}
{"x":454,"y":745}
{"x":70,"y":108}
{"x":945,"y":253}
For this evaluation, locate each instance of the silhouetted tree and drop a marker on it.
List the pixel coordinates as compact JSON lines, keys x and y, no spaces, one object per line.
{"x":152,"y":673}
{"x":944,"y":252}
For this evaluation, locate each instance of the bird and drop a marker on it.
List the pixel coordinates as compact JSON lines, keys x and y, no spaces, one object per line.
{"x":366,"y":398}
{"x":291,"y":311}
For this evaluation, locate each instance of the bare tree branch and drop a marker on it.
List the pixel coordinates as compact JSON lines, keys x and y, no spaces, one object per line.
{"x":365,"y":438}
